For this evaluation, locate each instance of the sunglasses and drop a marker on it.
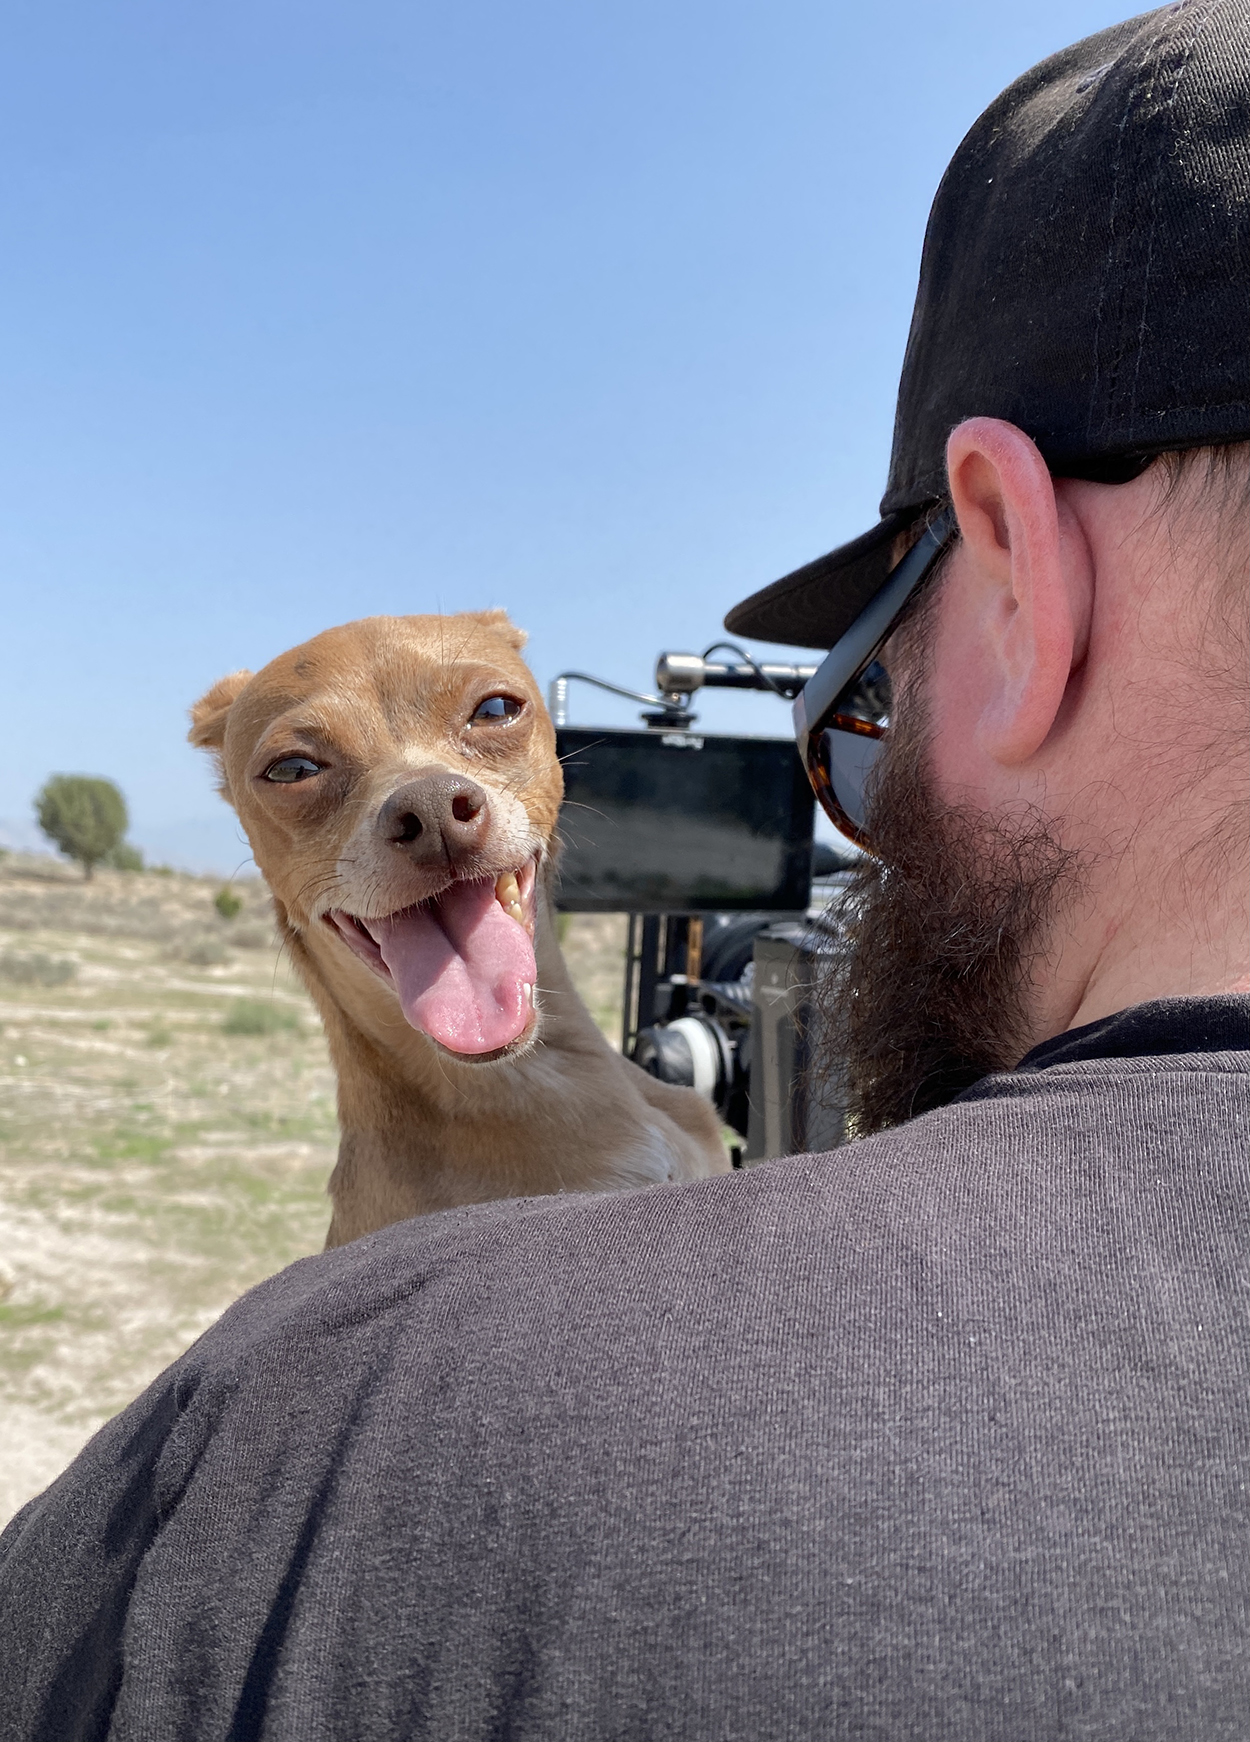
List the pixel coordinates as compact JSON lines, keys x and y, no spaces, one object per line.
{"x":842,"y":713}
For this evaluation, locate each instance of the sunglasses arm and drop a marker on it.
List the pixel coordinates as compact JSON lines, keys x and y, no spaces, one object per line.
{"x":855,"y":649}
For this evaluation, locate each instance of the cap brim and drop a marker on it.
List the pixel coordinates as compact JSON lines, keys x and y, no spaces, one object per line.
{"x":816,"y":605}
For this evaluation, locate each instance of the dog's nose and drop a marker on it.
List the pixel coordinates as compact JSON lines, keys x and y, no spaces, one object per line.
{"x":436,"y":818}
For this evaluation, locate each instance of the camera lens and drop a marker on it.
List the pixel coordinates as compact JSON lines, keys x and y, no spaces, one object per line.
{"x":688,"y":1052}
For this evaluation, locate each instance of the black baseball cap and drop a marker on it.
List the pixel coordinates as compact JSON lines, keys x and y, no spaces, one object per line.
{"x":1085,"y":275}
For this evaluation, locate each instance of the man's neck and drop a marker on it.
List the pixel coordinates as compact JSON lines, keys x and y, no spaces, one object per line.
{"x":1172,"y":936}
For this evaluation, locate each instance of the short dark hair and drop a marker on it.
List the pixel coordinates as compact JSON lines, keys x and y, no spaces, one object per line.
{"x":1225,"y":474}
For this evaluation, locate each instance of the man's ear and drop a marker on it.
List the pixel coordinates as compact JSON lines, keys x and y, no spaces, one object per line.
{"x":208,"y":719}
{"x":1026,"y":556}
{"x":497,"y":622}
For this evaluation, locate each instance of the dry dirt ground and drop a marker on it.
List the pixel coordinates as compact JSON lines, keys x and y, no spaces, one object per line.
{"x":167,"y":1127}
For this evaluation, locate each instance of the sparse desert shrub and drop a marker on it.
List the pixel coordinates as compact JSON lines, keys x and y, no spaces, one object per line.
{"x":249,"y":1016}
{"x":228,"y":904}
{"x":205,"y":952}
{"x":254,"y":936}
{"x":159,"y":1034}
{"x":124,"y":857}
{"x":84,"y":816}
{"x":37,"y":969}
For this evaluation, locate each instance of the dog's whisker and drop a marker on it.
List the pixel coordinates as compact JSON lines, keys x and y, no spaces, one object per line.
{"x":570,"y":754}
{"x":576,"y":804}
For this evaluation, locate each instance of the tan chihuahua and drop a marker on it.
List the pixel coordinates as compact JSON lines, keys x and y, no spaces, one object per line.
{"x":398,"y":781}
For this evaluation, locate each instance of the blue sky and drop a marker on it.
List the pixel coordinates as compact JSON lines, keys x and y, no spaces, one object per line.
{"x":310,"y":311}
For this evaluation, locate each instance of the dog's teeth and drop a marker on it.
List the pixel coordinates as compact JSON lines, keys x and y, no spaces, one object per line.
{"x":528,"y":991}
{"x":508,"y":895}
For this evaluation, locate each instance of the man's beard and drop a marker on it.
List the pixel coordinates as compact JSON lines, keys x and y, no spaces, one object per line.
{"x":946,"y":926}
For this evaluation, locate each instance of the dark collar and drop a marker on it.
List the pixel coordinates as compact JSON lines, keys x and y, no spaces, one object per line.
{"x":1168,"y":1025}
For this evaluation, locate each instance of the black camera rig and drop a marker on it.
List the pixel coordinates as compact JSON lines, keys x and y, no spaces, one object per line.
{"x":705,"y":841}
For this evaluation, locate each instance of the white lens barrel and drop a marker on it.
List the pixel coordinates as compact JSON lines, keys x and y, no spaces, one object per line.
{"x":704,"y":1053}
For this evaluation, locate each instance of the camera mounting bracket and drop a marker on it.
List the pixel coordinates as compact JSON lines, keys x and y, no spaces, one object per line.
{"x":678,"y":676}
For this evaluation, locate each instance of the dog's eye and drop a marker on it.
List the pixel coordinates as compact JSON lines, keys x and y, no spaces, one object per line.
{"x":495,"y":709}
{"x":291,"y":769}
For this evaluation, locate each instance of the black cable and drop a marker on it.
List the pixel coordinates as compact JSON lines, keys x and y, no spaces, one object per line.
{"x":745,"y":657}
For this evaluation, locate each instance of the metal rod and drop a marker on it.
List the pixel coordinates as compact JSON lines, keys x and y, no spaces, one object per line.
{"x":629,"y":1003}
{"x":558,"y":693}
{"x":685,"y":673}
{"x":746,"y":677}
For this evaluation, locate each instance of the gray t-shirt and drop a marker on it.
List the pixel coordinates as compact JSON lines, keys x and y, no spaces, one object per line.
{"x":944,"y":1435}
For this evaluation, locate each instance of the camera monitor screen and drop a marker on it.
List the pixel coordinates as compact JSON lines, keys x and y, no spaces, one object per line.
{"x":682,"y":822}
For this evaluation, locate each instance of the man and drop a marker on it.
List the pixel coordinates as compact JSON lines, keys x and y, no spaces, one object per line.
{"x":944,"y":1435}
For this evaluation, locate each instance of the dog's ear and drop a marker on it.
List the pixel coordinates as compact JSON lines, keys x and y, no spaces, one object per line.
{"x":208,"y":716}
{"x":208,"y":721}
{"x":497,"y":622}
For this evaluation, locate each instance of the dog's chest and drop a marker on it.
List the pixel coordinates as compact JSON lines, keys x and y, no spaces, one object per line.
{"x":647,"y":1158}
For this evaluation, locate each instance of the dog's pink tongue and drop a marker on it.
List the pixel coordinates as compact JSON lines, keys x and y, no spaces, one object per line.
{"x":460,"y":965}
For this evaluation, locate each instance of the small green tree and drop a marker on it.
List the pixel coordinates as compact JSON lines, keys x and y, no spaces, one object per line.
{"x":227,"y":903}
{"x":84,"y":816}
{"x":125,"y":856}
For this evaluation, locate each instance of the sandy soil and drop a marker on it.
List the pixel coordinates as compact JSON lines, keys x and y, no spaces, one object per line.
{"x":167,"y":1127}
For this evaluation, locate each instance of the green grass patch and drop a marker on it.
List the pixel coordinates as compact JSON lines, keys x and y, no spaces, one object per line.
{"x":16,"y":1317}
{"x":251,"y":1016}
{"x":318,"y":1123}
{"x":147,"y":1146}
